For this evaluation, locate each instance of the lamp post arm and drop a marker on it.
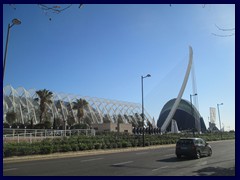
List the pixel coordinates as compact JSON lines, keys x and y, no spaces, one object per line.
{"x":6,"y":48}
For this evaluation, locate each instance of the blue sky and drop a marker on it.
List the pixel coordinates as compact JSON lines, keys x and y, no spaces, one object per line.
{"x":103,"y":50}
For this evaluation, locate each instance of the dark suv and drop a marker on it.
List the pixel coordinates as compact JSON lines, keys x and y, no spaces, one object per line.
{"x":193,"y":147}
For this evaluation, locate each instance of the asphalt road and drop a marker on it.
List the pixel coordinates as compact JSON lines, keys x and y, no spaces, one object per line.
{"x":146,"y":162}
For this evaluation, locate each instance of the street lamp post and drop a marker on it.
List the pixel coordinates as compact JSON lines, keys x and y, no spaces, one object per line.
{"x":194,"y":127}
{"x":142,"y":77}
{"x":219,"y":118}
{"x":14,"y":22}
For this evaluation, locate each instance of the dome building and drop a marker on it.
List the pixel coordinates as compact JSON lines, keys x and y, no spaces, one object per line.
{"x":185,"y":116}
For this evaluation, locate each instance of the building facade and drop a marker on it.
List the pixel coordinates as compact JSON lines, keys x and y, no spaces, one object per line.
{"x":23,"y":103}
{"x":113,"y":127}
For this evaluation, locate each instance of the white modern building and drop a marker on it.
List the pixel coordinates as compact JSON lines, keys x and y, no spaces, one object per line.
{"x":23,"y":103}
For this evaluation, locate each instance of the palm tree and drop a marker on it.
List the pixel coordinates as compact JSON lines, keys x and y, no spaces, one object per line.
{"x":70,"y":120}
{"x":45,"y":98}
{"x":11,"y":117}
{"x":79,"y":106}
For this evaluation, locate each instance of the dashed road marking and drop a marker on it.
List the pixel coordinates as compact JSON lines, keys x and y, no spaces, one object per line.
{"x":122,"y":163}
{"x":141,"y":153}
{"x":159,"y":168}
{"x":11,"y":169}
{"x":87,"y":160}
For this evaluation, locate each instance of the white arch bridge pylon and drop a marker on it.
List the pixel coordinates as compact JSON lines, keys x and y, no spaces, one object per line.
{"x":98,"y":110}
{"x":178,"y":99}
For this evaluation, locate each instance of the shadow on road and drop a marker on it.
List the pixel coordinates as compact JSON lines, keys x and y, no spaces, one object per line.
{"x":216,"y":171}
{"x":175,"y":159}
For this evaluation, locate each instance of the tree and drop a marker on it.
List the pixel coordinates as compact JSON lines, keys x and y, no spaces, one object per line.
{"x":88,"y":121}
{"x":60,"y":106}
{"x":106,"y":119}
{"x":230,"y":32}
{"x":11,"y":117}
{"x":79,"y":105}
{"x":52,"y":9}
{"x":45,"y":98}
{"x":57,"y":122}
{"x":70,"y":120}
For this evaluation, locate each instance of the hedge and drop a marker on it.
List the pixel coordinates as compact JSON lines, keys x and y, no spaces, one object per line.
{"x":101,"y":141}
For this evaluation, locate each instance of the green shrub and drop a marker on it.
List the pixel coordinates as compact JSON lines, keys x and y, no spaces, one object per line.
{"x":74,"y":147}
{"x":46,"y":142}
{"x":104,"y":146}
{"x":65,"y":148}
{"x":134,"y":144}
{"x":9,"y":150}
{"x":82,"y":146}
{"x":46,"y":149}
{"x":24,"y":150}
{"x":109,"y":145}
{"x":125,"y":144}
{"x":146,"y":143}
{"x":97,"y":146}
{"x":35,"y":149}
{"x":119,"y":144}
{"x":56,"y":148}
{"x":103,"y":141}
{"x":73,"y":140}
{"x":114,"y":145}
{"x":56,"y":141}
{"x":90,"y":146}
{"x":64,"y":140}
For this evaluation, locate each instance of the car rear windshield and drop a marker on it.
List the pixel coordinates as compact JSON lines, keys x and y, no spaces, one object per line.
{"x":185,"y":141}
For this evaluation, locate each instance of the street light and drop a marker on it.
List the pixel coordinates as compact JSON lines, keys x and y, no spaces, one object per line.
{"x":14,"y":22}
{"x":192,"y":113}
{"x":219,"y":118}
{"x":142,"y":77}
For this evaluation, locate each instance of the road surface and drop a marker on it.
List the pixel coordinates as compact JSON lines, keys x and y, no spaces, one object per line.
{"x":146,"y":162}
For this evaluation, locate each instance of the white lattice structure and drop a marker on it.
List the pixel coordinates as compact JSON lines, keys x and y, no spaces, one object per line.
{"x":22,"y":102}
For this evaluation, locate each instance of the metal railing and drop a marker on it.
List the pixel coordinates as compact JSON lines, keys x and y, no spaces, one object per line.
{"x":30,"y":135}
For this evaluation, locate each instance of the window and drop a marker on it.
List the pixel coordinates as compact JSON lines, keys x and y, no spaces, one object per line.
{"x":202,"y":142}
{"x":197,"y":141}
{"x":185,"y":141}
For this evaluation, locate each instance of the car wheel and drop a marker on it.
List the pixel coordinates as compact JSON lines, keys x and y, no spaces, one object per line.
{"x":210,"y":152}
{"x":198,"y":155}
{"x":179,"y":156}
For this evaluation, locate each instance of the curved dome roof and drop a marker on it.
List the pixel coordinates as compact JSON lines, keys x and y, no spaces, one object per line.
{"x":185,"y":115}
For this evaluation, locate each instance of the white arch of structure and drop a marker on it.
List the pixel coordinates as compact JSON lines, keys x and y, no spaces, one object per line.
{"x":23,"y":103}
{"x":178,"y":99}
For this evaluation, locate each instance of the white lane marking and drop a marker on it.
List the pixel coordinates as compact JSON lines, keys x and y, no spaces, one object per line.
{"x":203,"y":163}
{"x":11,"y":169}
{"x":87,"y":160}
{"x":141,"y":153}
{"x":160,"y":168}
{"x":122,"y":163}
